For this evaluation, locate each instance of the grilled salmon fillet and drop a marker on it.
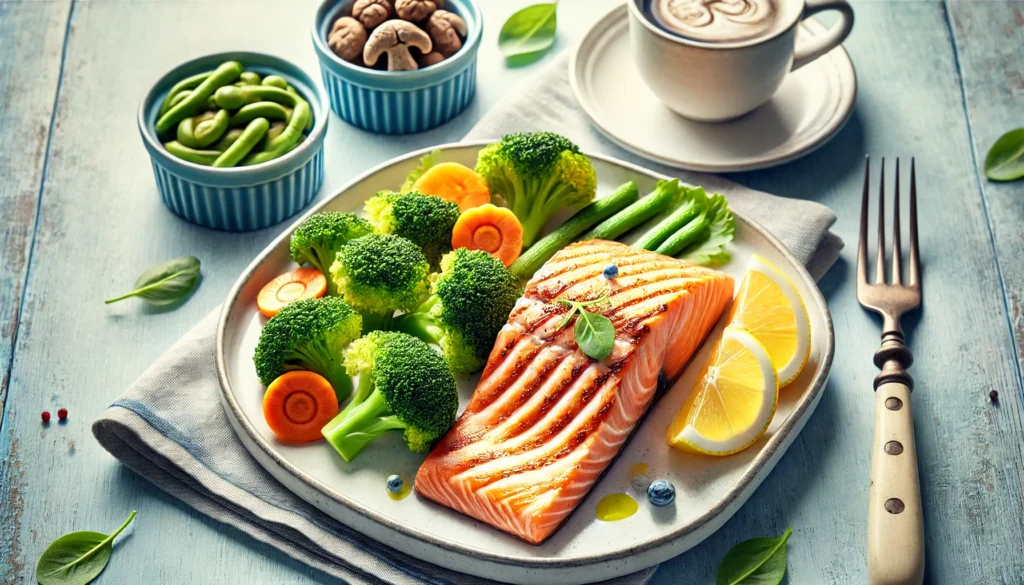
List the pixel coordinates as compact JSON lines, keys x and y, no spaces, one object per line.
{"x":546,"y":420}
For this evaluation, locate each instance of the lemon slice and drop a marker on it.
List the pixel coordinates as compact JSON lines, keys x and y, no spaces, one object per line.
{"x":770,"y":308}
{"x":733,"y":402}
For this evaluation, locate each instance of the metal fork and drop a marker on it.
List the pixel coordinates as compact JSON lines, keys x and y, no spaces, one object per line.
{"x":895,"y":519}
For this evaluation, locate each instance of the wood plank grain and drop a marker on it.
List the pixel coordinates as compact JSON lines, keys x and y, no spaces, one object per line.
{"x":31,"y":42}
{"x":28,"y":81}
{"x":989,"y":38}
{"x":909,"y":103}
{"x":102,"y":223}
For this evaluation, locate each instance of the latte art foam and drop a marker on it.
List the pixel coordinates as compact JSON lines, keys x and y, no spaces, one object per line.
{"x":716,"y":20}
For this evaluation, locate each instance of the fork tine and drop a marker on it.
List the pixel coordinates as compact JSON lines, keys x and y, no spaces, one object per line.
{"x":862,"y":247}
{"x":915,"y":266}
{"x":896,"y":244}
{"x":880,"y":262}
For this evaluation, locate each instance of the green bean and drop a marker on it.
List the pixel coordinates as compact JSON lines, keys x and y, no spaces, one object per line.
{"x":227,"y":140}
{"x":266,"y":156}
{"x":236,"y":152}
{"x":187,"y":83}
{"x":197,"y":100}
{"x":248,"y":113}
{"x":199,"y":157}
{"x":251,"y":78}
{"x":230,"y":97}
{"x":275,"y":81}
{"x":293,"y":132}
{"x":179,"y":96}
{"x":309,"y":118}
{"x":276,"y":128}
{"x":186,"y":132}
{"x":209,"y":131}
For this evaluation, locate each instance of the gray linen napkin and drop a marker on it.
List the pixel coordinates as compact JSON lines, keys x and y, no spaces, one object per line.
{"x":170,"y":428}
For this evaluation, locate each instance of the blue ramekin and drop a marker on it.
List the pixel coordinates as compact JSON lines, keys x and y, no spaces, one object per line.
{"x":399,"y":102}
{"x":240,"y":198}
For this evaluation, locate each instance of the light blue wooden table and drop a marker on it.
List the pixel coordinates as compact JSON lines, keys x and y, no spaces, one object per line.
{"x":80,"y":218}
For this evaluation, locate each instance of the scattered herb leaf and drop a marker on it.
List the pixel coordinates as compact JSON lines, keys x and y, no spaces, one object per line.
{"x":758,"y":561}
{"x":166,"y":283}
{"x":722,"y":226}
{"x":529,"y":33}
{"x":594,"y":333}
{"x":1005,"y":160}
{"x":77,"y":558}
{"x":426,"y":161}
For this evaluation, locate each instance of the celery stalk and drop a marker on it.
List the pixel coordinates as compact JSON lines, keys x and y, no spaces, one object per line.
{"x":644,"y":209}
{"x":694,"y":200}
{"x":599,"y":210}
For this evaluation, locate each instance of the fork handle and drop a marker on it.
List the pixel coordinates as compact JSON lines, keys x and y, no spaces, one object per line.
{"x":895,"y":519}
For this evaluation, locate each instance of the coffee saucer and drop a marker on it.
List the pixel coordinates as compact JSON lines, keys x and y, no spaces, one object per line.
{"x":812,"y":105}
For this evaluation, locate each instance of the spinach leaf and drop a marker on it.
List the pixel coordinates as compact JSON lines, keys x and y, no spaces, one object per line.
{"x":77,"y":558}
{"x":529,"y":33}
{"x":595,"y":334}
{"x":166,"y":283}
{"x":758,"y":561}
{"x":426,"y":161}
{"x":1005,"y":160}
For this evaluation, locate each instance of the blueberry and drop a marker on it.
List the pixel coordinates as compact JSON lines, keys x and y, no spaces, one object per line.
{"x":661,"y":493}
{"x":394,"y":483}
{"x":611,"y":271}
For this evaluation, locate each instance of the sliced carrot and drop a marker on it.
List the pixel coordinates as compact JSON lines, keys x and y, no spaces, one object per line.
{"x":454,"y":182}
{"x":298,"y":404}
{"x":495,"y":230}
{"x":301,"y":283}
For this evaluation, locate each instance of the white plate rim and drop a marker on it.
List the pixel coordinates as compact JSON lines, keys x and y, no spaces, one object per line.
{"x":828,"y":130}
{"x":759,"y":465}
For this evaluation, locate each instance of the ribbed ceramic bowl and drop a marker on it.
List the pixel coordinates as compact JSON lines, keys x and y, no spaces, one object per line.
{"x":399,"y":102}
{"x":239,"y":198}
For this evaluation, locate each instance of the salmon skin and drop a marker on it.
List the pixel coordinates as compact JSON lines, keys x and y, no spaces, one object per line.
{"x":545,"y":420}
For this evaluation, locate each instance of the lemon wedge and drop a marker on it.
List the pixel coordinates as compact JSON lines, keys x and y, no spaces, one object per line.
{"x":770,"y":308}
{"x":734,"y":399}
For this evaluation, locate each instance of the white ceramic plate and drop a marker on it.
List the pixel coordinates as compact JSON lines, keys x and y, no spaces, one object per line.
{"x":709,"y":490}
{"x":811,"y":106}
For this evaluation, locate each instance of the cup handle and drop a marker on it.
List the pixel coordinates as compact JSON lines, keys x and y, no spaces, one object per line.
{"x":817,"y":47}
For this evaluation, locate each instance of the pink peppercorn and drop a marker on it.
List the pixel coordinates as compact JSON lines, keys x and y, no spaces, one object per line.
{"x":46,"y":416}
{"x":62,"y":414}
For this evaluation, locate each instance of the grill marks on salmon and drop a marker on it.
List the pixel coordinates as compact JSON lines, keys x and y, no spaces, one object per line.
{"x":545,"y":420}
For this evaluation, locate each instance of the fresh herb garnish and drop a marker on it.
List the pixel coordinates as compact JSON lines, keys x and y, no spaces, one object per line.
{"x":595,"y":333}
{"x":529,"y":33}
{"x":758,"y":561}
{"x":166,"y":283}
{"x":1005,"y":160}
{"x":77,"y":558}
{"x":426,"y":162}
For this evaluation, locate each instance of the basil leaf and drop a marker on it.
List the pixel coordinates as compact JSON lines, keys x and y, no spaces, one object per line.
{"x":167,"y":283}
{"x":77,"y":558}
{"x":595,"y":334}
{"x":758,"y":561}
{"x":1005,"y":160}
{"x":529,"y":33}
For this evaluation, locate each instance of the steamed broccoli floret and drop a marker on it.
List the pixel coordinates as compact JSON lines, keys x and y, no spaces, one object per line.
{"x":379,"y":274}
{"x":318,"y":239}
{"x":404,"y":385}
{"x":309,"y":335}
{"x":426,"y":221}
{"x":537,"y":174}
{"x":470,"y":302}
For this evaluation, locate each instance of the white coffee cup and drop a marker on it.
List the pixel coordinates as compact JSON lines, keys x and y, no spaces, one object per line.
{"x":718,"y":81}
